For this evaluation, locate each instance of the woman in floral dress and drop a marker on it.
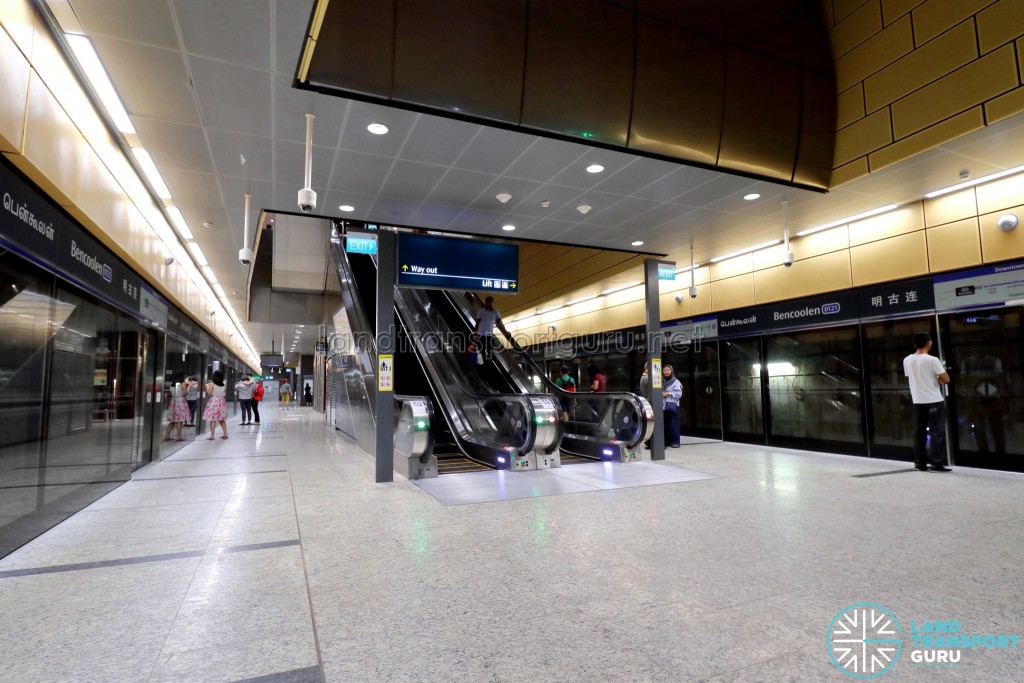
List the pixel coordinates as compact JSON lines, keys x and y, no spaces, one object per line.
{"x":216,"y":407}
{"x":177,"y":412}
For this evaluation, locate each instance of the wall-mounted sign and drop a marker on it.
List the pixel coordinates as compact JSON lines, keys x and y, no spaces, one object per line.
{"x":907,"y":296}
{"x":361,"y":243}
{"x":666,"y":270}
{"x":426,"y":261}
{"x":385,"y":372}
{"x":980,"y":286}
{"x":152,"y":308}
{"x":655,"y":373}
{"x":690,"y":330}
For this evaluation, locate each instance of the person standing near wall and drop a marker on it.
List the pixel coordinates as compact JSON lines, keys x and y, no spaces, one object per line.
{"x":257,"y":397}
{"x":672,"y":391}
{"x":192,"y":398}
{"x":244,"y":389}
{"x":925,"y":374}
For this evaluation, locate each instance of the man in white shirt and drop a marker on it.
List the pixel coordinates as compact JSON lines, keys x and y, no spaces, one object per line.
{"x":926,"y":374}
{"x":486,"y":319}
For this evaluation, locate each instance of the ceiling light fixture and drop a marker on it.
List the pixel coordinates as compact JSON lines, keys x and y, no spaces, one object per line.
{"x":851,"y":219}
{"x":197,"y":254}
{"x":638,"y":243}
{"x":579,"y":301}
{"x":179,"y":223}
{"x":377,"y":128}
{"x":152,"y":174}
{"x":90,"y":62}
{"x":752,"y":196}
{"x":346,"y":207}
{"x":745,"y":251}
{"x":548,"y":310}
{"x":595,"y":168}
{"x":508,"y":228}
{"x":619,"y":289}
{"x":978,"y":181}
{"x":584,"y":208}
{"x":503,"y":197}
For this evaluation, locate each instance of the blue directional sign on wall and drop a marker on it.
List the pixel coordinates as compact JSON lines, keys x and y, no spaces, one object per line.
{"x":426,"y":261}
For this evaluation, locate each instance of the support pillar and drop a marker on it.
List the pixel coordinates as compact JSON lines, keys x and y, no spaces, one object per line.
{"x":652,"y":306}
{"x":387,"y":247}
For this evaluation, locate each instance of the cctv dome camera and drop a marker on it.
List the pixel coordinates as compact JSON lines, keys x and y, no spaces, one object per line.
{"x":693,"y":292}
{"x":307,"y":200}
{"x":788,"y":258}
{"x":245,"y":256}
{"x":168,"y":260}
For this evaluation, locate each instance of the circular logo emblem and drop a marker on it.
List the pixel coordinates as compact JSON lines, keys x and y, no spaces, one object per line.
{"x":864,"y":640}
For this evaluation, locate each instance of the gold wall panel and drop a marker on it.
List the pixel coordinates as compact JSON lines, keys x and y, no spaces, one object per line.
{"x":981,"y":80}
{"x":632,"y":315}
{"x":950,"y":129}
{"x":1000,"y":23}
{"x":826,"y":273}
{"x":874,"y":54}
{"x":744,"y":263}
{"x":867,"y":135}
{"x":18,"y":18}
{"x":15,"y":70}
{"x":702,"y":304}
{"x":894,"y":9}
{"x":1000,"y":194}
{"x":849,"y":106}
{"x":954,"y":245}
{"x":927,"y":63}
{"x":733,"y":292}
{"x":891,"y":259}
{"x":950,"y":207}
{"x":1005,"y":105}
{"x":854,"y":28}
{"x":997,"y":245}
{"x":850,"y":171}
{"x":897,"y":222}
{"x":53,"y":146}
{"x":935,"y":16}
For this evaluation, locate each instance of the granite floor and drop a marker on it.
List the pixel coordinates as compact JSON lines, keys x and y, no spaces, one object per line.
{"x":273,"y":556}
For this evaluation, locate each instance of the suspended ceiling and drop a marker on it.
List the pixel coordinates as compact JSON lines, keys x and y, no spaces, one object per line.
{"x":209,"y":88}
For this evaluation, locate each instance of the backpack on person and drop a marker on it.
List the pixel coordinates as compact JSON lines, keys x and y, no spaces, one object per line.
{"x":569,"y":384}
{"x":257,"y":393}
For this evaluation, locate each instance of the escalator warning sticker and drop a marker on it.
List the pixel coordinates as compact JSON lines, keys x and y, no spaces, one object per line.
{"x":656,"y":373}
{"x":385,"y":372}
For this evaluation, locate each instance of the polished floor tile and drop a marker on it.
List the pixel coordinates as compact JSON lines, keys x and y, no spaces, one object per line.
{"x":725,"y":562}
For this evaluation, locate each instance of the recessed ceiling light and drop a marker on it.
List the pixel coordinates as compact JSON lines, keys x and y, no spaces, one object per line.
{"x":346,"y":207}
{"x":377,"y":128}
{"x":595,"y":168}
{"x":638,"y":243}
{"x":752,"y":196}
{"x":508,"y":228}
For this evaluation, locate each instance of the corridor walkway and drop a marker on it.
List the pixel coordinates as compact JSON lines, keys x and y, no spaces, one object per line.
{"x":272,"y":556}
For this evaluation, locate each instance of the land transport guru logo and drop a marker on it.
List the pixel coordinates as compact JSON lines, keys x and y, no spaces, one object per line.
{"x":865,"y":640}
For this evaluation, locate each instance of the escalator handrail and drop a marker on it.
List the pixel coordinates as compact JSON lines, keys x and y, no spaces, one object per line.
{"x":636,"y":401}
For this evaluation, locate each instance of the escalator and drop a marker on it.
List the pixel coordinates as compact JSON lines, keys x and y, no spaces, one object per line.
{"x":484,"y":425}
{"x":601,"y":426}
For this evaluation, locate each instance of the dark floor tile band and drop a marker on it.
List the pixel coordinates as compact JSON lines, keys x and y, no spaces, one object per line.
{"x":311,"y":674}
{"x":198,"y":476}
{"x":81,"y":464}
{"x":882,"y":474}
{"x":225,"y":457}
{"x":70,"y":483}
{"x":32,"y":571}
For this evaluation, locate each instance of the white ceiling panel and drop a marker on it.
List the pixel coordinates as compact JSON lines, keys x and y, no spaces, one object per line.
{"x":359,"y":173}
{"x":437,"y":140}
{"x":683,"y":179}
{"x":386,"y":210}
{"x":174,"y":145}
{"x":291,"y":17}
{"x":232,"y":97}
{"x":203,"y":31}
{"x":634,"y":176}
{"x":243,"y":156}
{"x":289,"y":165}
{"x":459,"y":187}
{"x":192,"y":188}
{"x":472,"y":220}
{"x":436,"y":216}
{"x":357,"y":138}
{"x":543,"y":161}
{"x":291,"y":106}
{"x":518,"y":188}
{"x":142,"y":21}
{"x":493,"y":150}
{"x":411,"y":180}
{"x":160,"y":92}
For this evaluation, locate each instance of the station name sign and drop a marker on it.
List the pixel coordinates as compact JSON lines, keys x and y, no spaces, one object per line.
{"x":432,"y":262}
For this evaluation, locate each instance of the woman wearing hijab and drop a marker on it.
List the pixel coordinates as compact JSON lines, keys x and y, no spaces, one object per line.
{"x":671,"y":392}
